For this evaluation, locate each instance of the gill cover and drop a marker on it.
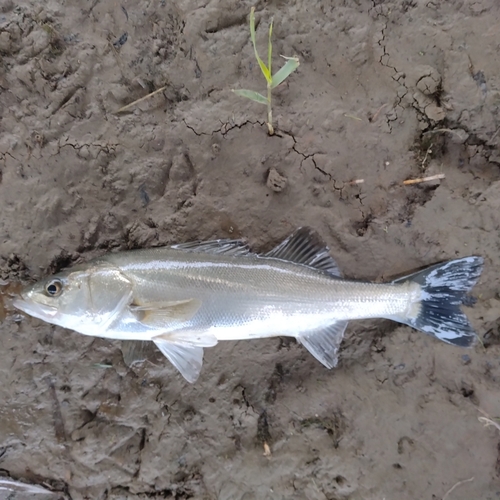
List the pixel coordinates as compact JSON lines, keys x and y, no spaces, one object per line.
{"x":108,"y":293}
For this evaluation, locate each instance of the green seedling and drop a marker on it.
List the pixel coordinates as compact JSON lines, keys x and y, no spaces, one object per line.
{"x":292,"y":63}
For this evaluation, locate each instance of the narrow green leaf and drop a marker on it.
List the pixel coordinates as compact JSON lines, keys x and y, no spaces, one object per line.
{"x":270,"y":49}
{"x":250,"y":94}
{"x":290,"y":66}
{"x":265,"y":70}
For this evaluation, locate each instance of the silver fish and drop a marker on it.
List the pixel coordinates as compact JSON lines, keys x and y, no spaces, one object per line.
{"x":190,"y":296}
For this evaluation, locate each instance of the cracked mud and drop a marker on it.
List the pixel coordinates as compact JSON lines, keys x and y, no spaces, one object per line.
{"x":386,"y":91}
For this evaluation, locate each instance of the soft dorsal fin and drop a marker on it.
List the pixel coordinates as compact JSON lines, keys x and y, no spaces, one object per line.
{"x":306,"y":247}
{"x":227,"y":247}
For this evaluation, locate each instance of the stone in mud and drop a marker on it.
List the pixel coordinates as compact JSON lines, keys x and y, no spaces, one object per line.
{"x":435,"y":113}
{"x":275,"y":181}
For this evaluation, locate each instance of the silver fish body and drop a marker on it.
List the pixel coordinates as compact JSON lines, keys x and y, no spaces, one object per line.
{"x":246,"y":297}
{"x":187,"y":297}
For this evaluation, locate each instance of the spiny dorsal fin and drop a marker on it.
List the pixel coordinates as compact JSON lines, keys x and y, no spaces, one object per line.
{"x":306,"y":247}
{"x":227,"y":247}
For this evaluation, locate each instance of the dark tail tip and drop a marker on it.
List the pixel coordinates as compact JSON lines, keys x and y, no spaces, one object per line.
{"x":443,"y":289}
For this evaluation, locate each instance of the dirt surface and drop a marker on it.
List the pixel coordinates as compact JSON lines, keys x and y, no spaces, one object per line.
{"x":386,"y":91}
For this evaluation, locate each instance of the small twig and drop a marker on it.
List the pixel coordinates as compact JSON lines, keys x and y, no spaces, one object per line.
{"x":488,"y":422}
{"x":128,"y":106}
{"x":483,"y":412}
{"x":375,"y":116}
{"x":424,"y":179}
{"x":357,"y":181}
{"x":438,"y":130}
{"x":353,"y":117}
{"x":427,"y":153}
{"x":456,"y":486}
{"x":267,"y":450}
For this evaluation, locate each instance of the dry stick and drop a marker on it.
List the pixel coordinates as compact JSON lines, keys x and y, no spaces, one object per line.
{"x":424,"y":179}
{"x":438,"y":130}
{"x":456,"y":486}
{"x":487,"y":422}
{"x":353,"y":117}
{"x":427,"y":153}
{"x":128,"y":106}
{"x":375,"y":116}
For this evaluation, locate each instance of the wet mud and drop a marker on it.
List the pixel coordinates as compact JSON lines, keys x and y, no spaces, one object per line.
{"x":387,"y":91}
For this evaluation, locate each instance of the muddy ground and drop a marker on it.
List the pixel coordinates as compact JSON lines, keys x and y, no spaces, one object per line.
{"x":386,"y":91}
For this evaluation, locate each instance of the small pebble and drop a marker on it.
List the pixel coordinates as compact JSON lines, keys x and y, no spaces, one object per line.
{"x":121,"y":41}
{"x":276,"y":181}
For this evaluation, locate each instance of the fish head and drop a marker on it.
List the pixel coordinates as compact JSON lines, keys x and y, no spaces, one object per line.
{"x":85,"y":298}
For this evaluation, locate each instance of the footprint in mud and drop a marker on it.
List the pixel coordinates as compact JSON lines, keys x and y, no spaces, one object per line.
{"x":334,"y":425}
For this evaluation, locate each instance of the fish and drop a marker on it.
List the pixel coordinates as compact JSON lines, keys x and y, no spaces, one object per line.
{"x":188,"y":297}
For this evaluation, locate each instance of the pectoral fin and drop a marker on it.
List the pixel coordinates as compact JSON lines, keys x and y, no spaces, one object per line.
{"x":161,"y":314}
{"x":188,"y":360}
{"x":324,"y":344}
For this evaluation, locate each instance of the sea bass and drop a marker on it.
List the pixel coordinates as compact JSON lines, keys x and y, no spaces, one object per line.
{"x":190,"y":296}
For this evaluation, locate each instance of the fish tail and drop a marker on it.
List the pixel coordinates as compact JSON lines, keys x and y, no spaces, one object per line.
{"x":443,"y":290}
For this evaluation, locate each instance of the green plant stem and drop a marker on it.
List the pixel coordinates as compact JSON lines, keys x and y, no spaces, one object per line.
{"x":269,"y":110}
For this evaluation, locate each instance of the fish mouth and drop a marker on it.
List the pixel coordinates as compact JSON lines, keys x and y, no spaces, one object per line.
{"x":35,"y":309}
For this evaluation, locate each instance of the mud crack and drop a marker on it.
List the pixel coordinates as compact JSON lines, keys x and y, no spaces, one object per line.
{"x":384,"y":60}
{"x":304,"y":156}
{"x":225,"y":127}
{"x":107,"y":149}
{"x":3,"y":157}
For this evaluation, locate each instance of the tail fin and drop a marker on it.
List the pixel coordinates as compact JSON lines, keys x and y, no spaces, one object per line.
{"x":443,"y":289}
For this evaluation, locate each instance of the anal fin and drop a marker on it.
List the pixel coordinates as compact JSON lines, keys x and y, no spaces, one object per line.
{"x":188,"y":360}
{"x":324,"y":343}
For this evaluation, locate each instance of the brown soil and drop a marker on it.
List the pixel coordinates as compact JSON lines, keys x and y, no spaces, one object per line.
{"x":386,"y":91}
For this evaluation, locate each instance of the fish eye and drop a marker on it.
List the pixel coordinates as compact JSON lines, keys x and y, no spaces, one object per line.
{"x":54,"y":288}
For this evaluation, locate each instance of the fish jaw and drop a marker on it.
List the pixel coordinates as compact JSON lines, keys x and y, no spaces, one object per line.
{"x":36,"y":309}
{"x":50,"y":314}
